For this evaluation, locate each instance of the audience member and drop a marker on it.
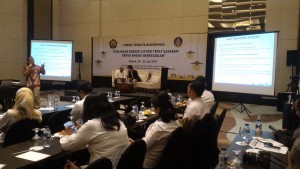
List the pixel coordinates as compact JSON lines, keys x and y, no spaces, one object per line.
{"x":103,"y":133}
{"x":196,"y":108}
{"x":207,"y":96}
{"x":133,"y":74}
{"x":84,"y":88}
{"x":287,"y":137}
{"x":157,"y":134}
{"x":22,"y":109}
{"x":294,"y":155}
{"x":32,"y":73}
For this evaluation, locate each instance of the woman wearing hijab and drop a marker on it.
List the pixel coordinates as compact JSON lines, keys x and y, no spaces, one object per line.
{"x":22,"y":109}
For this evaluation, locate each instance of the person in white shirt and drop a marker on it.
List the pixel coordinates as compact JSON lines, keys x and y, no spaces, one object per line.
{"x":84,"y":88}
{"x":207,"y":96}
{"x":120,"y":73}
{"x":103,"y":133}
{"x":196,"y":107}
{"x":158,"y":133}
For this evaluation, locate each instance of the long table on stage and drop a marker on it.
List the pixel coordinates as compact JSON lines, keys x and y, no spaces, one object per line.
{"x":275,"y":160}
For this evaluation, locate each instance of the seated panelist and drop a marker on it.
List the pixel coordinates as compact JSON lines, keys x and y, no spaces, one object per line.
{"x":120,"y":73}
{"x":133,"y":74}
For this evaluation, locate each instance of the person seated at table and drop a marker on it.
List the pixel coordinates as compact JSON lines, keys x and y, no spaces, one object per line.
{"x":158,"y":132}
{"x":120,"y":73}
{"x":294,"y":155}
{"x":84,"y":88}
{"x":22,"y":109}
{"x":103,"y":133}
{"x":207,"y":96}
{"x":133,"y":74}
{"x":196,"y":108}
{"x":287,"y":137}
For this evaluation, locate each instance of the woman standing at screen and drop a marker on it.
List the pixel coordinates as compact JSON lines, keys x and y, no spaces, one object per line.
{"x":32,"y":73}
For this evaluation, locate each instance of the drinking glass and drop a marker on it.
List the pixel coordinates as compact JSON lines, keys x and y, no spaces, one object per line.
{"x":36,"y":138}
{"x":74,"y":99}
{"x":236,"y":162}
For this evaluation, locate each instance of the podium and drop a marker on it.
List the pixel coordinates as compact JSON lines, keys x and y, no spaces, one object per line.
{"x":124,"y":87}
{"x":164,"y":78}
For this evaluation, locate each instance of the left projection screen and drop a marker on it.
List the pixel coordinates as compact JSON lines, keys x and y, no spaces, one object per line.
{"x":57,"y":57}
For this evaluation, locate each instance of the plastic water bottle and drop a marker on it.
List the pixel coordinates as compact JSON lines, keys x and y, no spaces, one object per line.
{"x":47,"y":139}
{"x":223,"y":159}
{"x":258,"y":126}
{"x":77,"y":99}
{"x":247,"y":133}
{"x":55,"y":102}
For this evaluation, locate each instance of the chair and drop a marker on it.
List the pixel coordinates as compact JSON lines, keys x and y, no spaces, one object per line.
{"x":214,"y":108}
{"x":101,"y":163}
{"x":219,"y":121}
{"x":133,"y":157}
{"x":20,"y":131}
{"x":171,"y":152}
{"x":199,"y":148}
{"x":57,"y":120}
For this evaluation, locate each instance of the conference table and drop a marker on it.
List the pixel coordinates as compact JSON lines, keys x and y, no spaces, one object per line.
{"x":12,"y":156}
{"x":277,"y":160}
{"x":55,"y":152}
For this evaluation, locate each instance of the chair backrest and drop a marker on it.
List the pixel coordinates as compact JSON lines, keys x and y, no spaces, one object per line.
{"x":219,"y":121}
{"x":101,"y":163}
{"x":133,"y":157}
{"x":214,"y":108}
{"x":57,"y":120}
{"x":171,"y":152}
{"x":20,"y":131}
{"x":200,"y":149}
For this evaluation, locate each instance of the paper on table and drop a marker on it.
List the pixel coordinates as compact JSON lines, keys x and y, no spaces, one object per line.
{"x":46,"y":108}
{"x":260,"y":145}
{"x":2,"y":165}
{"x":33,"y":156}
{"x":70,"y":106}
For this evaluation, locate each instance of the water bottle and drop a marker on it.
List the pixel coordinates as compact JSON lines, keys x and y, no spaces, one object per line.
{"x":77,"y":99}
{"x":223,"y":159}
{"x":55,"y":102}
{"x":258,"y":126}
{"x":247,"y":133}
{"x":47,"y":139}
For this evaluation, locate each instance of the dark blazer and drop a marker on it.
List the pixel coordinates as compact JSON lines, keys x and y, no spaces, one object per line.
{"x":134,"y":75}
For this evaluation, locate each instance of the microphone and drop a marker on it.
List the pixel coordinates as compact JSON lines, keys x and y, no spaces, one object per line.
{"x":273,"y":128}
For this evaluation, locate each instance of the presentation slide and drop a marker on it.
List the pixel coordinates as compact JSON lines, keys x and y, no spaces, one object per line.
{"x":57,"y":57}
{"x":245,"y":63}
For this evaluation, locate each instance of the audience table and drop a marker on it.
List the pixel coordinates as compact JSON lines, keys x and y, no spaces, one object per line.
{"x":55,"y":152}
{"x":276,"y":158}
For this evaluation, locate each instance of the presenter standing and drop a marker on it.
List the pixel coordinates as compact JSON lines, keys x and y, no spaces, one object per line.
{"x":32,"y":73}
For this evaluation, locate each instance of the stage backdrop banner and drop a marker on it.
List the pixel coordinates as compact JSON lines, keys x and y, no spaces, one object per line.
{"x":151,"y":52}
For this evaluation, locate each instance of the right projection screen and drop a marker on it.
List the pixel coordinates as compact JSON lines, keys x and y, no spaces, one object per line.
{"x":245,"y":63}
